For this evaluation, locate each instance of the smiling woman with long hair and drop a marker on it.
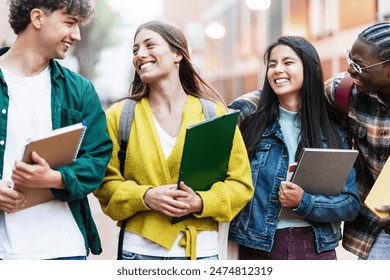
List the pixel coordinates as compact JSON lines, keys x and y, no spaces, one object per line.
{"x":292,"y":113}
{"x":168,"y":91}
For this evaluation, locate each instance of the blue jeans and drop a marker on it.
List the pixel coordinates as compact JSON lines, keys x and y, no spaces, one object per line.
{"x":134,"y":256}
{"x":70,"y":258}
{"x":381,"y":248}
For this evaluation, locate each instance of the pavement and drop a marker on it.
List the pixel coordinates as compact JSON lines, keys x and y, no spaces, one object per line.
{"x":107,"y":229}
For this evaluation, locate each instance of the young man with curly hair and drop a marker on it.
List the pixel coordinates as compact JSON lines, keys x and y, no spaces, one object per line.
{"x":37,"y":95}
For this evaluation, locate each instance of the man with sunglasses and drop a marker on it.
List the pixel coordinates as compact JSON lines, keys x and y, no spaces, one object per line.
{"x":368,"y":124}
{"x":37,"y":95}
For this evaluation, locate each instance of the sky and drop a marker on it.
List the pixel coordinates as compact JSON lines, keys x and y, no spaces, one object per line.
{"x":137,"y":11}
{"x":114,"y":68}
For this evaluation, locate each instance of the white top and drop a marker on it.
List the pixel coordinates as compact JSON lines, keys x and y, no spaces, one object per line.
{"x":206,"y":242}
{"x":47,"y":230}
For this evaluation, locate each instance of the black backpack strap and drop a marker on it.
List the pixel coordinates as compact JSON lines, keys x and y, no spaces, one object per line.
{"x":126,"y":120}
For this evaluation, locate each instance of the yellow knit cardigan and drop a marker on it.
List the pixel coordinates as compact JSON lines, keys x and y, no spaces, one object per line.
{"x":146,"y":167}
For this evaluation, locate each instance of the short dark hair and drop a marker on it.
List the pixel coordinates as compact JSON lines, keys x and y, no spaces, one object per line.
{"x":19,"y":16}
{"x":378,"y":35}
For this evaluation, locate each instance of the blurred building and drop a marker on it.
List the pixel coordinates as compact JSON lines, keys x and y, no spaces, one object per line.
{"x":7,"y":36}
{"x":234,"y":63}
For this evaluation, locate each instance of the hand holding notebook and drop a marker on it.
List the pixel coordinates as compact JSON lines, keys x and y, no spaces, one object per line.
{"x":58,"y":147}
{"x":379,"y":194}
{"x":206,"y":152}
{"x":320,"y":171}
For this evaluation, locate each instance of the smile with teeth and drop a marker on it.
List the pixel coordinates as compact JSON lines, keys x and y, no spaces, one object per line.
{"x":66,"y":44}
{"x":356,"y":81}
{"x":281,"y":81}
{"x":145,"y":65}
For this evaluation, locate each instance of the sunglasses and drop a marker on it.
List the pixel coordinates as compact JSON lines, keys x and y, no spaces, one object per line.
{"x":357,"y":67}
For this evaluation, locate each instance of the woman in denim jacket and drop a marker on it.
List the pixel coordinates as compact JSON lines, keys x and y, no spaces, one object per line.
{"x":291,"y":113}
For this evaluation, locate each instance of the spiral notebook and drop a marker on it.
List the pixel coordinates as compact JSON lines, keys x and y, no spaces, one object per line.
{"x":58,"y":147}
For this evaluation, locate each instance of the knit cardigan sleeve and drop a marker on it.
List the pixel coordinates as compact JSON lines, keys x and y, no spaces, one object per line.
{"x":119,"y":198}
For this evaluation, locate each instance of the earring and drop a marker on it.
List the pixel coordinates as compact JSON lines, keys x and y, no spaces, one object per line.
{"x":177,"y":63}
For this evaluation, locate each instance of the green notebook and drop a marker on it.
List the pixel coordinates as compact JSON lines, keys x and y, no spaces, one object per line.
{"x":206,"y":152}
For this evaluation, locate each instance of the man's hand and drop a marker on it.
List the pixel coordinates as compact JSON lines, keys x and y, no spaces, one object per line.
{"x":384,"y":222}
{"x":10,"y":200}
{"x":36,"y":175}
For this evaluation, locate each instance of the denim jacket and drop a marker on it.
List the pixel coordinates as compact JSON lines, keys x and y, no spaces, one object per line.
{"x":255,"y":225}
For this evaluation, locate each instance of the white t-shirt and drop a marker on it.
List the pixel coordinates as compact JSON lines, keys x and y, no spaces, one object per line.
{"x":206,"y":241}
{"x":47,"y":230}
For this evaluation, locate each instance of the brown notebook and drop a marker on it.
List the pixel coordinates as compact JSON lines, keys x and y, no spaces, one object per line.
{"x":380,"y":192}
{"x":58,"y":147}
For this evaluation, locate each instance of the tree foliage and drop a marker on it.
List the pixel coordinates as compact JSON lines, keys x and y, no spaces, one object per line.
{"x":96,"y":36}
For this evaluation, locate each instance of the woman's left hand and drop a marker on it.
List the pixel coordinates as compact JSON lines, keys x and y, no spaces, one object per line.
{"x":290,"y":194}
{"x":192,"y":199}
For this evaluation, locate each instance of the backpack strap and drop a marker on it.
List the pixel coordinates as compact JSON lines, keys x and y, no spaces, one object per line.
{"x":125,"y":123}
{"x":343,"y":92}
{"x":341,"y":99}
{"x":208,"y":108}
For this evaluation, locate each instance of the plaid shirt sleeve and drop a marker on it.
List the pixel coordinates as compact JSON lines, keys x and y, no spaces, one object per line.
{"x":246,"y":104}
{"x":369,"y":122}
{"x":331,"y":86}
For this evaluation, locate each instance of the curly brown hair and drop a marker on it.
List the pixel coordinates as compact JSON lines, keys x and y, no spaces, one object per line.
{"x":19,"y":16}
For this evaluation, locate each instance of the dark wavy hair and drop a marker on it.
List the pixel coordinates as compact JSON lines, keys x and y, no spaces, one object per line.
{"x":316,"y":117}
{"x":191,"y":81}
{"x":19,"y":16}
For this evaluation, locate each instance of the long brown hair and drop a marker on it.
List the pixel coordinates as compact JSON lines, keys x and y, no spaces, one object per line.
{"x":190,"y":80}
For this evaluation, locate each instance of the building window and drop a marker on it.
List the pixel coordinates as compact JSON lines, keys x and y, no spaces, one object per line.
{"x":323,"y":18}
{"x":383,"y":10}
{"x":353,"y":13}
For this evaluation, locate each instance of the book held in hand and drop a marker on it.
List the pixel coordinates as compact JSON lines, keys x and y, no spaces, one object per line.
{"x":206,"y":152}
{"x":58,"y":147}
{"x":321,"y":171}
{"x":379,"y":194}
